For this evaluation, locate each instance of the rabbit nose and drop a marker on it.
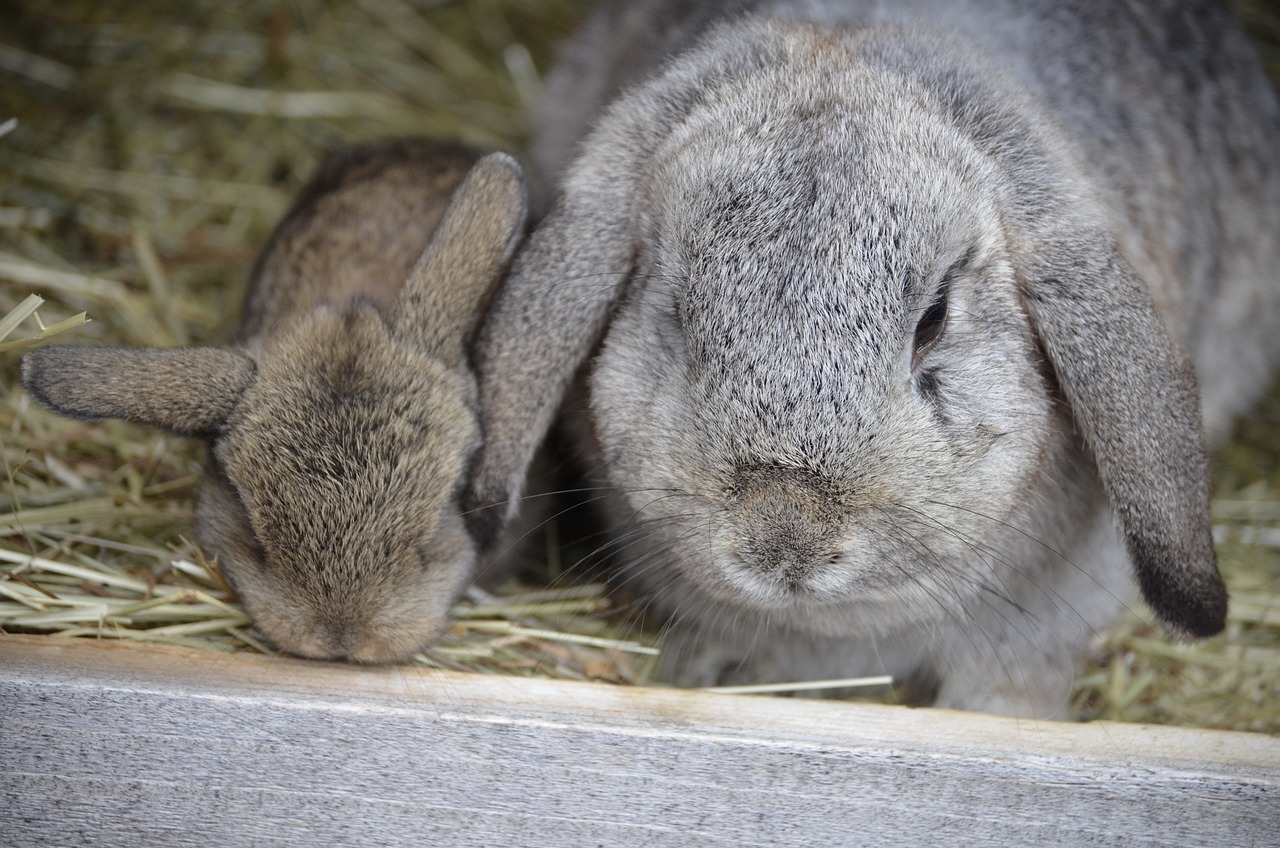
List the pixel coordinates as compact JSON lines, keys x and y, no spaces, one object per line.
{"x":356,"y":643}
{"x":786,"y":532}
{"x":785,"y":557}
{"x":373,"y":643}
{"x":791,"y":551}
{"x":337,"y":640}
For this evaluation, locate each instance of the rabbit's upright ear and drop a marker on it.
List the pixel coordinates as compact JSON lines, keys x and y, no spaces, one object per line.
{"x":188,"y":391}
{"x":449,"y":287}
{"x":546,"y":318}
{"x":1134,"y":397}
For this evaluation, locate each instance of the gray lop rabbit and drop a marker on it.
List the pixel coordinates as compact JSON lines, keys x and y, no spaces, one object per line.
{"x":341,"y":421}
{"x":891,"y":315}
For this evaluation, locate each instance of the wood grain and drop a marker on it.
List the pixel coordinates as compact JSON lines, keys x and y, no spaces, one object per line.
{"x":113,"y":744}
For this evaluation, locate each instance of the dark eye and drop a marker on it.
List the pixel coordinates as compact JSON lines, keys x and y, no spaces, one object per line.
{"x":929,"y":330}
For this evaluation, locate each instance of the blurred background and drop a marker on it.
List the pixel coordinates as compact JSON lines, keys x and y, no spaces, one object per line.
{"x":147,"y":148}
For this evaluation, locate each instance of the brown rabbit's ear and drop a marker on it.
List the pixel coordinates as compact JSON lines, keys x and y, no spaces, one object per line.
{"x":449,"y":287}
{"x":1134,"y":397}
{"x":189,"y":391}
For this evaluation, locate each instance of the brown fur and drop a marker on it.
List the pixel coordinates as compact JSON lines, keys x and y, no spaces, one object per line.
{"x":341,"y":423}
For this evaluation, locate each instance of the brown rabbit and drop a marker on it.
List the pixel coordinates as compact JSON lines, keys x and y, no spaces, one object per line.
{"x":341,"y":422}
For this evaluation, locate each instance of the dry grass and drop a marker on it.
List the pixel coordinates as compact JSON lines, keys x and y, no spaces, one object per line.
{"x":155,"y":145}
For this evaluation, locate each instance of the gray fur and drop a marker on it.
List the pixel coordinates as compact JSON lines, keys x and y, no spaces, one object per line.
{"x":756,"y":209}
{"x":342,"y":421}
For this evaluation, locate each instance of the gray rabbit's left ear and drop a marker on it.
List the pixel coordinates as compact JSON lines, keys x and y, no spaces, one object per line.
{"x":544,"y":321}
{"x":555,"y":303}
{"x":1133,"y":393}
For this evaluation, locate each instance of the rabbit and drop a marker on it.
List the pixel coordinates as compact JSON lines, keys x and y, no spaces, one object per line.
{"x":340,"y":422}
{"x":904,"y":326}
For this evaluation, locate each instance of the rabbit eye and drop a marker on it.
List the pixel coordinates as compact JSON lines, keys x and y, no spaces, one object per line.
{"x":929,"y":330}
{"x":934,"y":320}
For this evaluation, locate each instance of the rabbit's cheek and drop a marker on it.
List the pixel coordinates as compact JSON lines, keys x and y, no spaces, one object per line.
{"x":224,"y":532}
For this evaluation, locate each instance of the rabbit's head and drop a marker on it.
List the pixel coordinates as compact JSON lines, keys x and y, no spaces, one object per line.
{"x":337,"y":441}
{"x":851,"y":324}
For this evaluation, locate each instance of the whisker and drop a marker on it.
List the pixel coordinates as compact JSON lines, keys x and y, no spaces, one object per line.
{"x":1045,"y":546}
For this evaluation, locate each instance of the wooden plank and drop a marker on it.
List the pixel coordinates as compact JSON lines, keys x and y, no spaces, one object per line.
{"x":113,"y":744}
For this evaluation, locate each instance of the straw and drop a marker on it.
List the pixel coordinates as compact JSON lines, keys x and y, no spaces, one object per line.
{"x":145,"y":155}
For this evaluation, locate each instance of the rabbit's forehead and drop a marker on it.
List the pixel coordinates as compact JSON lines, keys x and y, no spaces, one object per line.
{"x":795,"y":141}
{"x":809,"y":204}
{"x":312,"y":465}
{"x":794,"y":234}
{"x":339,"y":500}
{"x":813,"y":267}
{"x":816,"y":184}
{"x":369,"y":450}
{"x":804,"y":274}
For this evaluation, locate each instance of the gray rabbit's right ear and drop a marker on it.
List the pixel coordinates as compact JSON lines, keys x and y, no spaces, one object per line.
{"x":448,"y":289}
{"x":188,"y":391}
{"x":545,"y":320}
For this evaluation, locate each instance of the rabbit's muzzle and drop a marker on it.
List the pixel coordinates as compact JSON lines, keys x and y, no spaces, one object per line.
{"x":376,"y":641}
{"x":786,"y":528}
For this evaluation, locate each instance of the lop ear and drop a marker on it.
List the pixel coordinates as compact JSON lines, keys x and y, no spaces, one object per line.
{"x":545,"y":320}
{"x":552,"y":310}
{"x":1134,"y":396}
{"x":188,"y":391}
{"x":447,"y":290}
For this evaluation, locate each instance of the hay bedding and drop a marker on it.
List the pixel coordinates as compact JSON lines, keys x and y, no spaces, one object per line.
{"x":154,"y":146}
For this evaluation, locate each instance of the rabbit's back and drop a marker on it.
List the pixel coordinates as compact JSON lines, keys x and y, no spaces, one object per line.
{"x":355,"y":231}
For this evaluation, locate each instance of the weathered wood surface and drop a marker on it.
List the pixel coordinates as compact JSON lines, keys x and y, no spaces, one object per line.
{"x":112,"y":744}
